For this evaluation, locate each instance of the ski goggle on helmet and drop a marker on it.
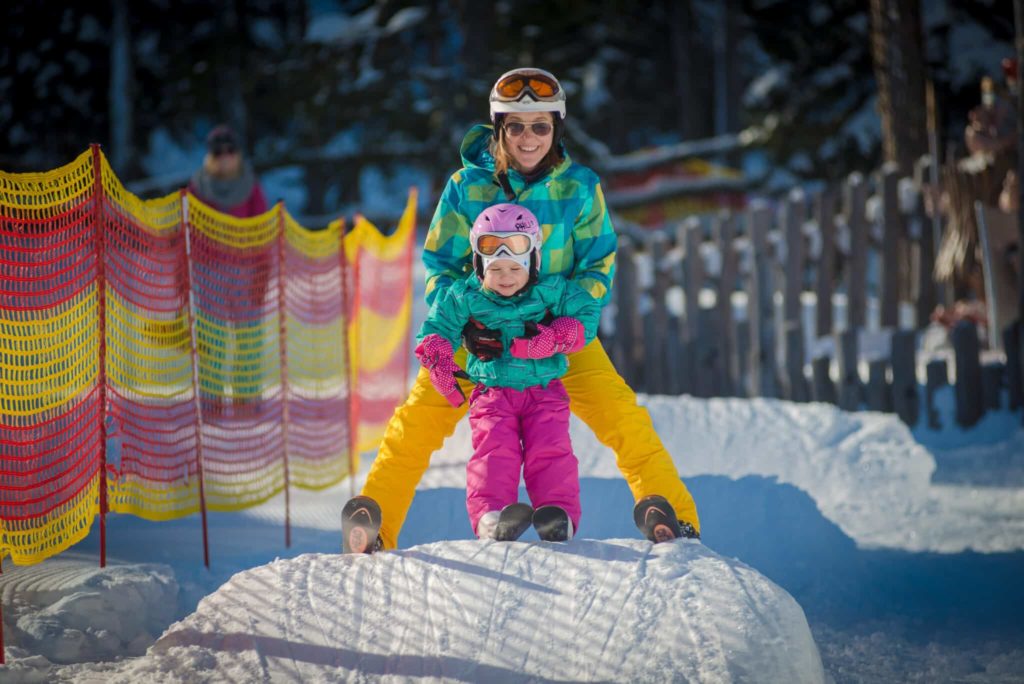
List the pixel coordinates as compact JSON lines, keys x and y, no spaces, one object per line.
{"x":527,"y":90}
{"x":505,"y":231}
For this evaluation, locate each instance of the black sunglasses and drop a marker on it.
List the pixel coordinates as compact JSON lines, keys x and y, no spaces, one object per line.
{"x":220,"y":150}
{"x":539,"y":128}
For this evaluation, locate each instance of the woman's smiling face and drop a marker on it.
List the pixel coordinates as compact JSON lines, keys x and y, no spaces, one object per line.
{"x":528,"y":148}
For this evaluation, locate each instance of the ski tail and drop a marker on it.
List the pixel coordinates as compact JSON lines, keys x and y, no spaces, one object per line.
{"x":552,"y":524}
{"x":360,"y":526}
{"x":515,"y":519}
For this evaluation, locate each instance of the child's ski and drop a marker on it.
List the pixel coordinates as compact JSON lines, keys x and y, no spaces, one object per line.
{"x":552,"y":523}
{"x":515,"y":519}
{"x":360,"y":525}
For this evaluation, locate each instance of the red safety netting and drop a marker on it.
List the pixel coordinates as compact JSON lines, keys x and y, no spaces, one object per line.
{"x":235,"y":298}
{"x":51,"y":394}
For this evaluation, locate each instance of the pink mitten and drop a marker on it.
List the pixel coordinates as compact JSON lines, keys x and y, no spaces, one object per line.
{"x":435,"y":354}
{"x":565,"y":335}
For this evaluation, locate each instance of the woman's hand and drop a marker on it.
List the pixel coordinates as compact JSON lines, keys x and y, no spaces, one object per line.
{"x":482,"y":342}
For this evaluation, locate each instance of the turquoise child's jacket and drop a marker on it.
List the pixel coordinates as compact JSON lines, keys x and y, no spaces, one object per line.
{"x":579,"y":240}
{"x":468,"y":298}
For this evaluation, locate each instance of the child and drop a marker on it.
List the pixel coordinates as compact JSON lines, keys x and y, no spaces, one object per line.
{"x":519,"y":410}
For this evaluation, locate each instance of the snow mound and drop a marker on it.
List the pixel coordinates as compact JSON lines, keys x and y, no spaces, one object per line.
{"x":617,"y":610}
{"x":69,"y":610}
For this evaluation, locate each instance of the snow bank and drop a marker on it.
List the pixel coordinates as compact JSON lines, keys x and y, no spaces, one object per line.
{"x":70,"y":610}
{"x":866,"y":471}
{"x":616,"y":610}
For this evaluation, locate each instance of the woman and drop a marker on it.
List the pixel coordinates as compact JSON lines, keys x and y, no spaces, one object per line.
{"x":226,"y":181}
{"x":520,"y":159}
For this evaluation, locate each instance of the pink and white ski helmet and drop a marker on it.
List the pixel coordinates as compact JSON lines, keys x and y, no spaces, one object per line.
{"x":505,"y":231}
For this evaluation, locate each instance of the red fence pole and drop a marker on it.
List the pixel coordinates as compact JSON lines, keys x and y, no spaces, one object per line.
{"x":349,"y":307}
{"x":97,"y":169}
{"x":1,"y":619}
{"x":195,"y":372}
{"x":282,"y":346}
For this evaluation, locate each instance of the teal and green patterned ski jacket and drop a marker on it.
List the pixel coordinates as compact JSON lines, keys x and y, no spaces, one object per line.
{"x":579,"y":240}
{"x":468,"y":298}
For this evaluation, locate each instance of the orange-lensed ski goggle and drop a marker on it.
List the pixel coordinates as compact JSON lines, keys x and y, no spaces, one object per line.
{"x":512,"y":88}
{"x":515,"y":244}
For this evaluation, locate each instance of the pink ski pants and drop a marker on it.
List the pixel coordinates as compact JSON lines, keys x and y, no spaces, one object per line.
{"x":524,"y":431}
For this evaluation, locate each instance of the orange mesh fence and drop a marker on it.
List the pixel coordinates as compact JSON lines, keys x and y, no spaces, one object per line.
{"x":380,"y":318}
{"x":51,"y":397}
{"x":185,"y":358}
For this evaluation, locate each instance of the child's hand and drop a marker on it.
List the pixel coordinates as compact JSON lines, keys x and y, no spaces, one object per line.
{"x":435,"y":354}
{"x":565,"y":335}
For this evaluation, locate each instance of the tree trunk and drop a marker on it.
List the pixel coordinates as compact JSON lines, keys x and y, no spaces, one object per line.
{"x":232,"y":83}
{"x":120,"y":93}
{"x":681,"y":40}
{"x":727,"y":83}
{"x":897,"y":50}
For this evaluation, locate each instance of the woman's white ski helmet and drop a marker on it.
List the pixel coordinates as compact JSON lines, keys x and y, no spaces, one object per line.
{"x":527,"y":90}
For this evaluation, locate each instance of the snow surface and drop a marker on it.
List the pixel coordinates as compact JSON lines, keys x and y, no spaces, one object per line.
{"x":904,"y":549}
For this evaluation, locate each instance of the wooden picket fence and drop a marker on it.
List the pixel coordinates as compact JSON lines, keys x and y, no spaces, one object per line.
{"x":747,"y":304}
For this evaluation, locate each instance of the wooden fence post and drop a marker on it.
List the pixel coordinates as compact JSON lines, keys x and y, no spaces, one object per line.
{"x":992,"y":374}
{"x":969,"y":406}
{"x":849,"y":376}
{"x":626,"y":295}
{"x":926,"y":294}
{"x":1012,"y":345}
{"x":904,"y":376}
{"x":824,"y":212}
{"x":878,"y":393}
{"x":795,"y":383}
{"x":822,"y":388}
{"x":656,"y":321}
{"x":726,"y":368}
{"x":937,"y":378}
{"x":689,"y":236}
{"x":761,"y":307}
{"x":856,"y":271}
{"x":893,"y":240}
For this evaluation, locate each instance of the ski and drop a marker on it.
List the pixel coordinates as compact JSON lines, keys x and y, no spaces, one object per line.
{"x":655,"y":517}
{"x":360,"y":525}
{"x":552,"y":524}
{"x":515,"y":519}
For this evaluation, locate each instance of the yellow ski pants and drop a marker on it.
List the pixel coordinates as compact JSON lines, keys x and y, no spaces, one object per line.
{"x":597,"y":395}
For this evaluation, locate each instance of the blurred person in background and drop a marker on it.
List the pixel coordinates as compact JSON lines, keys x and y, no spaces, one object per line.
{"x":226,"y":181}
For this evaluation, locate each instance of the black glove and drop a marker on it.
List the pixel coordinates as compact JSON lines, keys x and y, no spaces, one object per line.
{"x":481,"y":342}
{"x":530,"y":327}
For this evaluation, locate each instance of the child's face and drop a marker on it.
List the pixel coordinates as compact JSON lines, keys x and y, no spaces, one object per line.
{"x":505,"y":277}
